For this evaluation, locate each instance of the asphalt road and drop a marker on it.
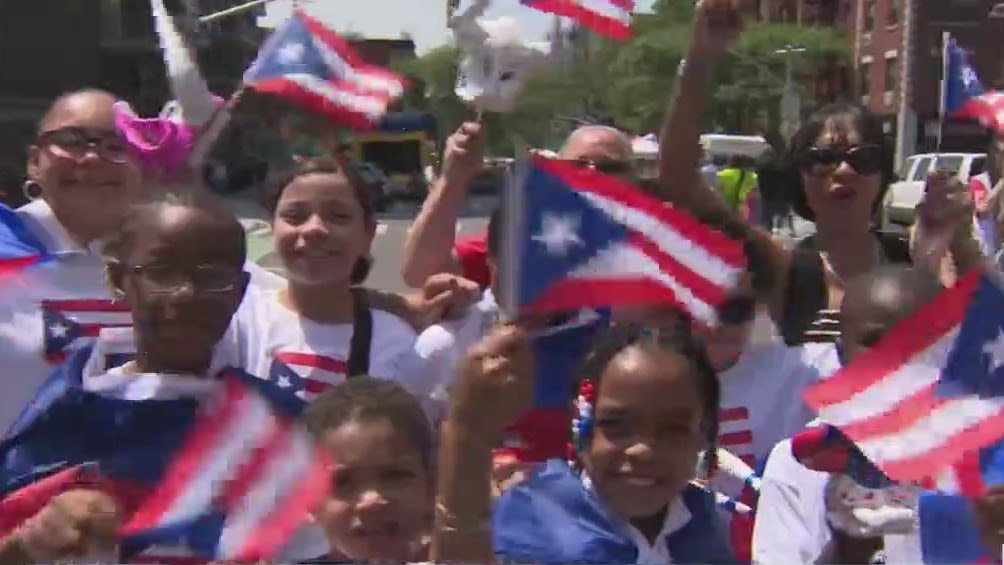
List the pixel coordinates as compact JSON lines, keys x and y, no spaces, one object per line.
{"x":388,"y":245}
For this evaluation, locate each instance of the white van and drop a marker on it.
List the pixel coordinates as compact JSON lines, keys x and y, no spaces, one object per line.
{"x":903,"y":196}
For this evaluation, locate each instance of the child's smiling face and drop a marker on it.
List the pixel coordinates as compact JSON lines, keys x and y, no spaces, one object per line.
{"x":183,"y":278}
{"x":383,"y":493}
{"x":648,"y":430}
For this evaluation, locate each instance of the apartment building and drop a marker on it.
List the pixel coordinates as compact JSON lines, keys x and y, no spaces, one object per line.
{"x":48,"y":47}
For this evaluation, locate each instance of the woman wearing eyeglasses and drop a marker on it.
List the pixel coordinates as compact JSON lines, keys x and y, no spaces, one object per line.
{"x":840,"y":168}
{"x":81,"y":180}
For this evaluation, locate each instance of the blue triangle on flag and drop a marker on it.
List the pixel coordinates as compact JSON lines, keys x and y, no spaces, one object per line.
{"x":290,"y":50}
{"x":563,"y":232}
{"x":976,"y":362}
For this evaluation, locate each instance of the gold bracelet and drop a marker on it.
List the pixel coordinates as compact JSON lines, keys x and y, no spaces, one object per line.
{"x":446,"y":522}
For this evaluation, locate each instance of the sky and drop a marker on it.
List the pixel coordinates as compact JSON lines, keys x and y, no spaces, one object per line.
{"x":424,"y":20}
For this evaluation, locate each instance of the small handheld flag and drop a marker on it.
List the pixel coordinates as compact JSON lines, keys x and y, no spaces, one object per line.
{"x":243,"y":481}
{"x":577,"y":238}
{"x":928,"y":396}
{"x":19,"y":249}
{"x":609,"y":18}
{"x":311,"y":66}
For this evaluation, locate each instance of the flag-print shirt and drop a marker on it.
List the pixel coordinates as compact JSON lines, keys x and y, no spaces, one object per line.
{"x":310,"y":357}
{"x":54,"y":308}
{"x":761,"y":399}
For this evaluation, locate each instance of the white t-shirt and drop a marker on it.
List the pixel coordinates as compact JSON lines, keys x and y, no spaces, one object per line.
{"x":440,"y":347}
{"x":791,"y":524}
{"x":761,"y":400}
{"x":52,"y":309}
{"x":278,"y":344}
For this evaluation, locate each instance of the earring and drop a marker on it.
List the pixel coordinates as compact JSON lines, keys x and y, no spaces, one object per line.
{"x":31,"y":190}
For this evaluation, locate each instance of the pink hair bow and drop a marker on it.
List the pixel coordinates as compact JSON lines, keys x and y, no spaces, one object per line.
{"x":162,"y":144}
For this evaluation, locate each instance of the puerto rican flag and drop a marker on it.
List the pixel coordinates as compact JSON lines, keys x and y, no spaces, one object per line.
{"x":73,"y":324}
{"x":580,"y":239}
{"x":241,"y":484}
{"x":306,"y":374}
{"x":213,"y":467}
{"x":541,"y":433}
{"x":313,"y":67}
{"x":19,"y":249}
{"x":923,"y":402}
{"x":964,"y":95}
{"x":610,"y":18}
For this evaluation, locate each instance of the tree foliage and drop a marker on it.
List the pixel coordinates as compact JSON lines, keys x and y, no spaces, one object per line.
{"x":628,"y":83}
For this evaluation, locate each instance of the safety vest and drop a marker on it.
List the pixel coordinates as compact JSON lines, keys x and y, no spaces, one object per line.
{"x":736,"y":185}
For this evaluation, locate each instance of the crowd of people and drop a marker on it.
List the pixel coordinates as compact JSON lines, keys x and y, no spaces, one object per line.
{"x":425,"y":400}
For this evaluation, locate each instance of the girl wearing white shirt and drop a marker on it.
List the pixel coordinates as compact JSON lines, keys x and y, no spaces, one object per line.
{"x":83,"y":176}
{"x":81,"y":179}
{"x":319,"y":329}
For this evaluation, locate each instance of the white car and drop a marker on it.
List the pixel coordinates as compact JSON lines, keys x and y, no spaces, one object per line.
{"x":903,"y":196}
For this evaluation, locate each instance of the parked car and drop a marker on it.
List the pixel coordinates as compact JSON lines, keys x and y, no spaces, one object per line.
{"x":903,"y":196}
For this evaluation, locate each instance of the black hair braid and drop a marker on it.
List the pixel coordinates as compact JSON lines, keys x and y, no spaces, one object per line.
{"x":678,"y":338}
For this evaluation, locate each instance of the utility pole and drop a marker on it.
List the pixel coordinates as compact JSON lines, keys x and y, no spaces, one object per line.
{"x":906,"y":119}
{"x":791,"y":98}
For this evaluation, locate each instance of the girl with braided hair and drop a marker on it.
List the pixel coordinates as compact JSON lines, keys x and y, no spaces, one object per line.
{"x":646,"y":413}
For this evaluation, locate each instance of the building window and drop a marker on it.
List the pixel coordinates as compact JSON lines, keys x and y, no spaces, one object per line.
{"x":865,"y":78}
{"x":893,"y":12}
{"x":891,"y":77}
{"x":869,"y":15}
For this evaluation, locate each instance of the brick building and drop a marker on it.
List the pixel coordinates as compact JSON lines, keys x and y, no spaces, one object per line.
{"x":898,"y":52}
{"x":52,"y":46}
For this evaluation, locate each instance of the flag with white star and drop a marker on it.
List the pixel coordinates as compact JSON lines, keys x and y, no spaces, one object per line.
{"x":964,"y":95}
{"x":306,"y":374}
{"x":580,"y":239}
{"x":924,"y":402}
{"x":72,"y":324}
{"x":314,"y":68}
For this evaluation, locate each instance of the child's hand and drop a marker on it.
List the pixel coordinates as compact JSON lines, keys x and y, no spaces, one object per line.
{"x":989,"y":512}
{"x":945,"y":213}
{"x":495,"y":383}
{"x":447,"y":296}
{"x":75,"y":523}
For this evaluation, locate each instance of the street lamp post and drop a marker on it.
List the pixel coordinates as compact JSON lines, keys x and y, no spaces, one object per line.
{"x":232,"y":11}
{"x":997,"y":13}
{"x":791,"y":99}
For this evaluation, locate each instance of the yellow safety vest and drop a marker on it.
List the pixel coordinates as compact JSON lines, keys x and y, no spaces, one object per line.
{"x":736,"y":185}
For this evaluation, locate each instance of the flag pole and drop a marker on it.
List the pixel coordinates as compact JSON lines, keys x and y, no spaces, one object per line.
{"x":512,"y":234}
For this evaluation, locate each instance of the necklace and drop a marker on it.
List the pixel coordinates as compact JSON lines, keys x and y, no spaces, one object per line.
{"x":877,"y":259}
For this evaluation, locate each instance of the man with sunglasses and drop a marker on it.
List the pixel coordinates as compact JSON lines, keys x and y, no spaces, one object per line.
{"x":432,"y":247}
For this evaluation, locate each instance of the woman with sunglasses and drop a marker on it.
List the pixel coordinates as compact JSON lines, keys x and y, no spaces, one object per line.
{"x":840,"y":168}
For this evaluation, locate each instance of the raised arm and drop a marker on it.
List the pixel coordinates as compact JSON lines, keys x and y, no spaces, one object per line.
{"x":494,"y":386}
{"x":716,"y":24}
{"x":428,"y":250}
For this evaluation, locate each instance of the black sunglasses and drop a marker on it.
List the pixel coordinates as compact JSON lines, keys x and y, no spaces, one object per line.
{"x":607,"y":167}
{"x":737,"y":310}
{"x":864,"y":159}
